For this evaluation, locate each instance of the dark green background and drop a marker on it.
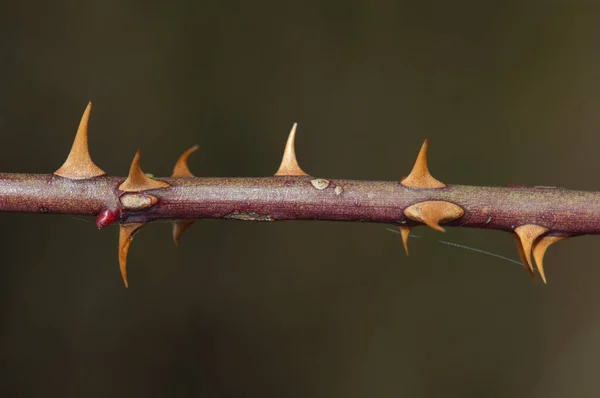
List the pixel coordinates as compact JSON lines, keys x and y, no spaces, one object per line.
{"x":508,"y":92}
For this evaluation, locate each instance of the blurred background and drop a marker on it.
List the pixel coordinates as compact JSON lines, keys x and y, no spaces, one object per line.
{"x":508,"y":92}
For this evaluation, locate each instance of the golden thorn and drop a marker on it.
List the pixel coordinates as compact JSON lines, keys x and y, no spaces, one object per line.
{"x":126,"y":233}
{"x":181,"y":168}
{"x":527,"y":235}
{"x":137,"y":180}
{"x":420,"y":177}
{"x":540,"y":249}
{"x":79,"y":164}
{"x":405,"y":232}
{"x":522,"y":257}
{"x":289,"y":164}
{"x":433,"y":212}
{"x":179,"y":227}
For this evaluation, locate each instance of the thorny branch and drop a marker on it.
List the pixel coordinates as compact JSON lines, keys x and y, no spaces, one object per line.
{"x":536,"y":216}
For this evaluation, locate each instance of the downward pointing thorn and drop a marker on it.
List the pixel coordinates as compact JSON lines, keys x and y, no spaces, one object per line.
{"x":126,"y":233}
{"x":179,"y":227}
{"x":527,"y":235}
{"x":522,"y":257}
{"x":289,"y":164}
{"x":79,"y":164}
{"x":540,"y":249}
{"x":405,"y":233}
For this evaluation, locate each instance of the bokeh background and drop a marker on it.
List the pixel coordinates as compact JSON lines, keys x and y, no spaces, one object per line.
{"x":508,"y":92}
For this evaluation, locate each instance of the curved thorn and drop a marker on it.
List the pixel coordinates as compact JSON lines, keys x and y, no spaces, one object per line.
{"x":527,"y":235}
{"x":419,"y":176}
{"x":79,"y":164}
{"x":433,"y":224}
{"x":181,"y":168}
{"x":522,"y":257}
{"x":289,"y":164}
{"x":540,"y":249}
{"x":179,"y":227}
{"x":137,"y":180}
{"x":405,"y":232}
{"x":126,"y":233}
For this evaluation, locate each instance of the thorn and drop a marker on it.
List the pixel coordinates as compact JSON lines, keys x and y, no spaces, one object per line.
{"x":289,"y":164}
{"x":126,"y":233}
{"x":181,"y":168}
{"x":179,"y":227}
{"x":79,"y":164}
{"x":137,"y":180}
{"x":540,"y":249}
{"x":527,"y":235}
{"x":523,"y":258}
{"x":433,"y":212}
{"x":420,"y":177}
{"x":405,"y":232}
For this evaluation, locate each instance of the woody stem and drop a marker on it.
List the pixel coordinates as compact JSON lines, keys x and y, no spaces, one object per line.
{"x":563,"y":212}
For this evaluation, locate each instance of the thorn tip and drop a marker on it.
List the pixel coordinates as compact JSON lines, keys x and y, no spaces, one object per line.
{"x":289,"y":164}
{"x":126,"y":234}
{"x":179,"y":227}
{"x":522,"y":257}
{"x":137,"y":180}
{"x":540,"y":249}
{"x":181,"y":167}
{"x":405,"y":233}
{"x":420,"y":177}
{"x":79,"y":164}
{"x":527,"y":235}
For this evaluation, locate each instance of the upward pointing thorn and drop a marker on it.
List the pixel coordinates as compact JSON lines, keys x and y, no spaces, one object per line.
{"x":79,"y":164}
{"x":137,"y":180}
{"x":540,"y":249}
{"x":126,"y":233}
{"x":420,"y":177}
{"x":527,"y":235}
{"x":181,"y":168}
{"x":289,"y":164}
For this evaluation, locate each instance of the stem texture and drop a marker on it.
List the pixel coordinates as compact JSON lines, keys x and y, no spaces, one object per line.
{"x":562,"y":211}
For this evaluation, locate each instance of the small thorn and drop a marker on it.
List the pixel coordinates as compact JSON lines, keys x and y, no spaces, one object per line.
{"x":289,"y":164}
{"x":79,"y":164}
{"x":522,"y":257}
{"x":405,"y":232}
{"x":540,"y":249}
{"x":181,"y":168}
{"x":420,"y":177}
{"x":433,"y":212}
{"x":137,"y":180}
{"x":527,"y":235}
{"x":126,"y":234}
{"x":179,"y":227}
